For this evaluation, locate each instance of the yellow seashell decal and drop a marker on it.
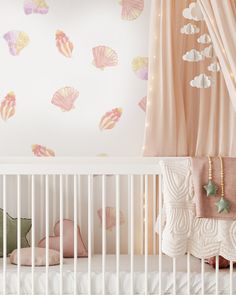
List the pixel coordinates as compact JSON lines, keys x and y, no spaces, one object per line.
{"x":131,"y":9}
{"x":16,"y":41}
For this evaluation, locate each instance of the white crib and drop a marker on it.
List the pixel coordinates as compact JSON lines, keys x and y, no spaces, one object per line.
{"x":127,"y":260}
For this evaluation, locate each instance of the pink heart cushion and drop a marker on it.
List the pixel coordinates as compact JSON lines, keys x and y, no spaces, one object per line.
{"x":68,"y":240}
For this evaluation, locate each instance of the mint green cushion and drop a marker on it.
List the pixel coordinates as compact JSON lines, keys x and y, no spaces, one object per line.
{"x":12,"y":233}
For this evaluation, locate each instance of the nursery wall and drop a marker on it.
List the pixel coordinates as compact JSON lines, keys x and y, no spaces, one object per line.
{"x":73,"y":76}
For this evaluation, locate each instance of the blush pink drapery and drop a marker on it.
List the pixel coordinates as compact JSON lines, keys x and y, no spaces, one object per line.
{"x":182,"y":120}
{"x":220,"y":17}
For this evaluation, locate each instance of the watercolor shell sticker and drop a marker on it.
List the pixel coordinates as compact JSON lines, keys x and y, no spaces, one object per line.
{"x":109,"y":120}
{"x":143,"y":103}
{"x":104,"y":57}
{"x":16,"y":41}
{"x":140,"y":67}
{"x":35,"y":6}
{"x":7,"y":107}
{"x":64,"y":45}
{"x":64,"y":98}
{"x":131,"y":9}
{"x":110,"y":217}
{"x":41,"y":151}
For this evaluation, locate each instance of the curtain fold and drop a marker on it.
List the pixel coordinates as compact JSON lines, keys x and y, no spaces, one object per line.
{"x":182,"y":120}
{"x":220,"y":17}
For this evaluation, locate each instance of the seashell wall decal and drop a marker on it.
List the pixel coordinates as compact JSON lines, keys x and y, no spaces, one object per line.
{"x":131,"y":9}
{"x":143,"y":103}
{"x":64,"y":45}
{"x":109,"y":120}
{"x":35,"y":6}
{"x":201,"y":81}
{"x":64,"y":98}
{"x":111,"y":217}
{"x":7,"y":107}
{"x":140,"y":67}
{"x":16,"y":41}
{"x":104,"y":56}
{"x":41,"y":151}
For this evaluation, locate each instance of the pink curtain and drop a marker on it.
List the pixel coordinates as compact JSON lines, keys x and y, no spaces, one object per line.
{"x":220,"y":17}
{"x":182,"y":120}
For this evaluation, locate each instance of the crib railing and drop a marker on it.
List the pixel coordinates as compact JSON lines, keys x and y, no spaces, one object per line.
{"x":36,"y":186}
{"x":52,"y":189}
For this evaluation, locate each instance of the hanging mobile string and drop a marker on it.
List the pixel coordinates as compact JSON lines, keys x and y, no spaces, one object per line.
{"x":222,"y":205}
{"x":210,"y":188}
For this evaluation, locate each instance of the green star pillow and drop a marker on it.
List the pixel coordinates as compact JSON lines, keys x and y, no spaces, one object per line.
{"x":12,"y":233}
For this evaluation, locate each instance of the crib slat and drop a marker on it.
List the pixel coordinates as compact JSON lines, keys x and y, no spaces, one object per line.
{"x":75,"y":234}
{"x":174,"y":276}
{"x":188,"y":274}
{"x":154,"y":213}
{"x":203,"y":275}
{"x":33,"y":232}
{"x":231,"y":269}
{"x":18,"y":233}
{"x":4,"y":234}
{"x":141,"y":214}
{"x":131,"y":179}
{"x":61,"y":232}
{"x":103,"y":234}
{"x":117,"y":234}
{"x":146,"y":235}
{"x":47,"y":230}
{"x":217,"y":274}
{"x":160,"y":233}
{"x":89,"y":231}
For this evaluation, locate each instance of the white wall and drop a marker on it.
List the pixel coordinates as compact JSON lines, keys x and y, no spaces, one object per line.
{"x":39,"y":70}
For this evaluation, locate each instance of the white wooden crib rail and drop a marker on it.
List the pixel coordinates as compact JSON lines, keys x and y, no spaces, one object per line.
{"x":139,"y":172}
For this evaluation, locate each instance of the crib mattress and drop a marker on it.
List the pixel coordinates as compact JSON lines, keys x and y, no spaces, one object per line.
{"x":139,"y":277}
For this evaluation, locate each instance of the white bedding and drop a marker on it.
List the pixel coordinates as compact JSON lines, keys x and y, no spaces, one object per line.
{"x":139,"y":281}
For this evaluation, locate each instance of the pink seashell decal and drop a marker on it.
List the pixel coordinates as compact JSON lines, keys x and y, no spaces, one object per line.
{"x":7,"y":107}
{"x":111,"y":217}
{"x":35,"y":6}
{"x":143,"y":103}
{"x":41,"y":151}
{"x":16,"y":41}
{"x":140,"y":67}
{"x":104,"y":57}
{"x":110,"y":119}
{"x":65,"y":97}
{"x":64,"y":45}
{"x":131,"y":9}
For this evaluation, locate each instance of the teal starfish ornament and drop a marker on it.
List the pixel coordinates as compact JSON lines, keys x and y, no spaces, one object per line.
{"x":223,"y":205}
{"x":211,"y":188}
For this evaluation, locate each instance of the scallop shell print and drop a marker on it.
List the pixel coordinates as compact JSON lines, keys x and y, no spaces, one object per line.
{"x":16,"y":41}
{"x":110,"y":119}
{"x":111,"y":217}
{"x":64,"y":45}
{"x":104,"y":56}
{"x":65,"y":97}
{"x":143,"y":103}
{"x":7,"y":107}
{"x":131,"y":9}
{"x":35,"y":6}
{"x":140,"y":67}
{"x":41,"y":151}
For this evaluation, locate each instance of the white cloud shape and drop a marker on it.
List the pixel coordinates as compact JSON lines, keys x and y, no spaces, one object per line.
{"x":214,"y":67}
{"x":201,"y":81}
{"x":193,"y":56}
{"x":193,"y":12}
{"x":189,"y":29}
{"x":204,"y":39}
{"x":208,"y":52}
